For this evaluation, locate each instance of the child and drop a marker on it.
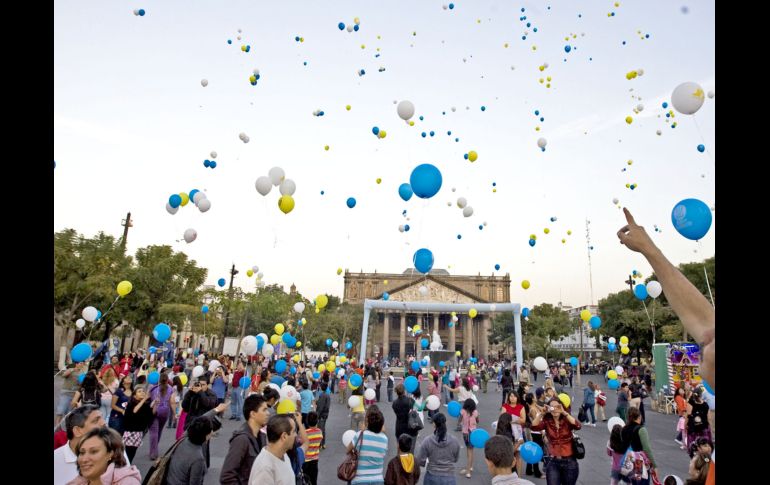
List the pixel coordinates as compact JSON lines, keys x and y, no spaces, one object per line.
{"x":401,"y":469}
{"x":391,"y":383}
{"x":498,"y":453}
{"x":505,"y":428}
{"x":616,"y":451}
{"x":342,"y":387}
{"x":470,"y":418}
{"x":314,"y":436}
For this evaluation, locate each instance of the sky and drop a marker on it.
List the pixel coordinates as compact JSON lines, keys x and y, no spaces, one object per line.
{"x":133,"y":125}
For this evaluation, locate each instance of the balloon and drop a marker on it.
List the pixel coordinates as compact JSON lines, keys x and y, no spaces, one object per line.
{"x":612,"y":374}
{"x":197,"y":371}
{"x":423,"y":260}
{"x":585,"y":315}
{"x":654,"y":289}
{"x":596,"y":322}
{"x":525,"y":284}
{"x":330,"y":366}
{"x":175,"y":201}
{"x":691,"y":218}
{"x":468,"y":211}
{"x":525,"y":312}
{"x":249,"y":345}
{"x":161,"y":332}
{"x":276,"y":175}
{"x":190,"y":235}
{"x":153,"y":377}
{"x":425,"y":180}
{"x":441,"y":363}
{"x":687,"y":98}
{"x":540,"y":364}
{"x":205,"y":309}
{"x":640,"y":291}
{"x":204,"y":82}
{"x":461,"y":202}
{"x":415,"y":366}
{"x":354,"y":401}
{"x":244,"y":382}
{"x":472,"y":156}
{"x":405,"y":191}
{"x":287,"y":187}
{"x":405,"y":110}
{"x":347,"y":436}
{"x":613,"y":421}
{"x":279,"y":328}
{"x":356,"y":380}
{"x":183,"y":378}
{"x":124,"y":288}
{"x":80,"y":352}
{"x":624,"y":340}
{"x":80,"y":323}
{"x":479,"y":437}
{"x":369,"y":394}
{"x":458,"y":354}
{"x":299,"y":307}
{"x":263,"y":185}
{"x":625,"y":350}
{"x":286,"y":204}
{"x":198,"y":197}
{"x":249,"y":273}
{"x":275,"y":339}
{"x":454,"y":408}
{"x":386,"y":296}
{"x":531,"y":452}
{"x":221,"y":282}
{"x":213,"y":365}
{"x":171,"y":210}
{"x":411,"y":383}
{"x":573,"y":361}
{"x":472,"y":313}
{"x":286,"y":406}
{"x":542,"y":142}
{"x":328,"y":342}
{"x":185,"y":199}
{"x":321,"y":301}
{"x":564,"y":399}
{"x":89,"y":313}
{"x":280,"y":366}
{"x":348,"y":345}
{"x":267,"y":350}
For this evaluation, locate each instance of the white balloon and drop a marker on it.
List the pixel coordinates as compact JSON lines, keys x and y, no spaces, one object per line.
{"x":204,"y":82}
{"x":213,"y":365}
{"x":639,"y":107}
{"x":288,"y":392}
{"x":405,"y":109}
{"x":613,"y":421}
{"x":276,"y":175}
{"x":204,"y":205}
{"x":335,"y":344}
{"x":350,"y":28}
{"x":299,"y":307}
{"x":659,"y":132}
{"x":136,"y":12}
{"x":468,"y":211}
{"x":274,"y":386}
{"x":267,"y":350}
{"x":654,"y":289}
{"x":171,"y":210}
{"x":245,"y":139}
{"x":454,"y":109}
{"x":475,"y":388}
{"x":455,"y":318}
{"x":619,"y":369}
{"x":687,"y":98}
{"x":198,"y":197}
{"x":711,"y":94}
{"x":287,"y":187}
{"x":423,"y":290}
{"x":369,"y":394}
{"x":640,"y":72}
{"x":89,"y":313}
{"x":264,"y":337}
{"x":433,"y":402}
{"x":190,"y":235}
{"x":354,"y":401}
{"x":260,"y":275}
{"x":347,"y":437}
{"x":263,"y":185}
{"x":80,"y":323}
{"x":213,"y":154}
{"x":341,"y":373}
{"x":197,"y":371}
{"x":611,"y":340}
{"x":615,"y":200}
{"x":542,"y":142}
{"x":249,"y":345}
{"x":401,"y":228}
{"x":256,"y":72}
{"x":540,"y":364}
{"x":255,"y":268}
{"x":461,"y":202}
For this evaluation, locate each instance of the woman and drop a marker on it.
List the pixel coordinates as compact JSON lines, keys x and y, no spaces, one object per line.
{"x":601,"y":401}
{"x":623,"y":398}
{"x":109,"y":383}
{"x":119,"y":402}
{"x":401,"y":407}
{"x":697,"y":420}
{"x":418,"y":404}
{"x":536,"y":436}
{"x":516,"y":410}
{"x":562,"y":469}
{"x":441,"y":451}
{"x":523,"y":375}
{"x":377,"y":382}
{"x":162,"y":396}
{"x":178,"y":389}
{"x":589,"y":401}
{"x":507,"y":384}
{"x":635,"y":436}
{"x":469,"y":416}
{"x":136,"y":420}
{"x":434,"y":389}
{"x":90,"y":392}
{"x":357,"y":417}
{"x":699,"y":470}
{"x":101,"y":460}
{"x":548,"y":383}
{"x":463,"y":394}
{"x":374,"y":447}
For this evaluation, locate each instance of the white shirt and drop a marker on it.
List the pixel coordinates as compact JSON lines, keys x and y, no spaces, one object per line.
{"x":65,"y":465}
{"x":268,"y":469}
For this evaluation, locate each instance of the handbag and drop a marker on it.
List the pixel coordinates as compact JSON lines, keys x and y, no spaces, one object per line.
{"x":578,"y":448}
{"x":414,"y":422}
{"x":582,"y":416}
{"x":347,"y":469}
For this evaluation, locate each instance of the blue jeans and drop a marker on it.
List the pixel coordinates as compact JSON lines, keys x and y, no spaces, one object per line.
{"x":590,"y":407}
{"x":236,"y":404}
{"x":562,"y":471}
{"x":438,"y":480}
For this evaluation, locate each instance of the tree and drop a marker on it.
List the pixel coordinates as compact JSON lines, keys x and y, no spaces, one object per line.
{"x":544,"y":324}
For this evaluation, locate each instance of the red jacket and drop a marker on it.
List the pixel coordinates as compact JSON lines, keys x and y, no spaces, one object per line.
{"x":560,"y":440}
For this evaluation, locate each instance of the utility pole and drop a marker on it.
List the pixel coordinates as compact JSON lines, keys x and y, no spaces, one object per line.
{"x":233,"y":272}
{"x":630,"y":283}
{"x":126,"y":223}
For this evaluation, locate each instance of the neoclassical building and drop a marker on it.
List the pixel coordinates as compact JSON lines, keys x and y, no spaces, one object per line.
{"x":389,"y":337}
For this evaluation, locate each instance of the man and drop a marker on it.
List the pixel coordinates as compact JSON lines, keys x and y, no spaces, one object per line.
{"x":322,"y":408}
{"x":498,"y":453}
{"x":188,"y":463}
{"x":272,"y":397}
{"x":78,"y":423}
{"x":247,"y":442}
{"x":236,"y":393}
{"x":114,"y":365}
{"x":273,"y":466}
{"x":198,"y":401}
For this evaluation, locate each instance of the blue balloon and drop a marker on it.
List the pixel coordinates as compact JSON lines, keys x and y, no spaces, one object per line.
{"x":192,"y":194}
{"x":424,"y":343}
{"x":425,"y":180}
{"x":424,"y":134}
{"x":80,"y":352}
{"x":596,"y":322}
{"x":278,"y":380}
{"x":316,"y":375}
{"x":328,"y":342}
{"x":424,"y":362}
{"x":423,"y":260}
{"x":640,"y":291}
{"x":221,"y":282}
{"x":386,"y":296}
{"x":411,"y":384}
{"x":441,"y":363}
{"x":355,"y":27}
{"x":708,"y":388}
{"x":153,"y":377}
{"x":260,"y":342}
{"x":454,"y":408}
{"x":98,"y":315}
{"x":406,"y":227}
{"x":141,"y":12}
{"x":573,"y":361}
{"x":280,"y":366}
{"x":81,"y":377}
{"x":432,"y":133}
{"x":375,"y":130}
{"x":342,"y":354}
{"x":525,"y":312}
{"x":532,"y":242}
{"x":245,"y":382}
{"x":293,"y":370}
{"x":161,"y":332}
{"x":691,"y":218}
{"x":415,"y":366}
{"x":229,"y":41}
{"x":531,"y":452}
{"x":286,"y":337}
{"x":567,"y":48}
{"x":356,"y":380}
{"x":405,"y":191}
{"x":451,"y":6}
{"x":451,"y":324}
{"x":341,"y":26}
{"x":613,"y":383}
{"x":205,"y":309}
{"x":213,"y":164}
{"x":351,"y":202}
{"x":348,"y":345}
{"x":497,"y":267}
{"x":611,"y":347}
{"x":175,"y":201}
{"x":328,"y":390}
{"x":483,"y":108}
{"x":479,"y":437}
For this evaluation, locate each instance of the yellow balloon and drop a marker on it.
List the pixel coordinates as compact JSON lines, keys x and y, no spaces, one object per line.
{"x":473,"y":368}
{"x":185,"y":198}
{"x":382,"y":134}
{"x":533,"y":236}
{"x":286,"y":406}
{"x":347,"y":107}
{"x":472,"y":313}
{"x":629,"y":120}
{"x":352,"y":387}
{"x":379,"y":180}
{"x":318,"y":310}
{"x":330,"y":366}
{"x":472,"y":156}
{"x":253,"y":78}
{"x":624,"y":340}
{"x":411,"y":123}
{"x":286,"y":204}
{"x":275,"y":339}
{"x":385,"y":282}
{"x":416,"y":328}
{"x":326,"y":148}
{"x":625,"y":350}
{"x":525,"y":284}
{"x":243,"y":48}
{"x":343,"y":359}
{"x":321,"y":367}
{"x":358,"y":21}
{"x":295,"y":358}
{"x":124,"y":288}
{"x":454,"y":314}
{"x":564,"y":399}
{"x":249,"y":273}
{"x":569,"y":233}
{"x":183,"y":378}
{"x":299,"y":344}
{"x":458,"y":353}
{"x":546,"y":230}
{"x":612,"y":374}
{"x":304,"y":321}
{"x":339,"y":271}
{"x":321,"y":301}
{"x":585,"y":315}
{"x":279,"y":328}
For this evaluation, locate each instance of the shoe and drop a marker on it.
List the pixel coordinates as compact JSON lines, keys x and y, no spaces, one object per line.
{"x":593,"y":424}
{"x":538,"y":474}
{"x":680,"y":442}
{"x":604,"y":420}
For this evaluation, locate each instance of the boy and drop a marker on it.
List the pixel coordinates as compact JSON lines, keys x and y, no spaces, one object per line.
{"x":391,"y":383}
{"x":315,"y":436}
{"x":498,"y":453}
{"x":322,"y":409}
{"x":401,"y":469}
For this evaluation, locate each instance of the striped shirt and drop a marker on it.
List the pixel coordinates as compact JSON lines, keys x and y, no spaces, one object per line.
{"x":372,"y":457}
{"x":314,"y":436}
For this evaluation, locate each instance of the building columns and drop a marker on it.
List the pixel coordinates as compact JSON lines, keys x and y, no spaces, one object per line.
{"x":402,"y":338}
{"x":452,"y":336}
{"x":484,"y":344}
{"x":467,"y":336}
{"x":435,"y":322}
{"x":386,"y":336}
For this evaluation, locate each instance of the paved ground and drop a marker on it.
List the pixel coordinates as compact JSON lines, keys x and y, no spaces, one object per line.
{"x":594,"y":469}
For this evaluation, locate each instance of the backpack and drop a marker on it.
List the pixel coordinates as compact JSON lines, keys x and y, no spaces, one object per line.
{"x":157,"y":473}
{"x":95,"y":398}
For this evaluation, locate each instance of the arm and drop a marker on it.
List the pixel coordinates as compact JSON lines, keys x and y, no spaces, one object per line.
{"x":571,"y":420}
{"x":645,"y":439}
{"x":232,"y":464}
{"x":75,"y":399}
{"x":422,"y":453}
{"x":114,"y":405}
{"x":197,"y":473}
{"x":522,"y":416}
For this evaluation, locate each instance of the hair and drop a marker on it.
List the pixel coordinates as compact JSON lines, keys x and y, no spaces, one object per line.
{"x":90,"y":383}
{"x":508,"y":399}
{"x":504,"y":427}
{"x":123,"y":379}
{"x":278,"y":425}
{"x":109,"y":376}
{"x":270,"y":393}
{"x":591,"y":385}
{"x":507,"y":372}
{"x":312,"y":418}
{"x":701,"y":465}
{"x":112,"y":441}
{"x":624,"y":384}
{"x":672,"y":480}
{"x":358,"y":391}
{"x":405,"y":443}
{"x":252,"y":403}
{"x":616,"y":440}
{"x":469,"y":406}
{"x":198,"y":430}
{"x":557,"y":400}
{"x":435,"y":378}
{"x":539,"y":392}
{"x":263,"y":374}
{"x":140,"y":381}
{"x":178,"y":384}
{"x":78,"y":418}
{"x":499,"y":450}
{"x":466,"y":383}
{"x":323,"y":386}
{"x":529,"y":399}
{"x":400,"y":389}
{"x":417,"y":393}
{"x":680,"y":389}
{"x":439,"y":421}
{"x":374,"y":419}
{"x":633,"y":414}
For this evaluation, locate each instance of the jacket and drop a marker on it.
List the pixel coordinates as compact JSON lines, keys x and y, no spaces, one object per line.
{"x":588,"y":397}
{"x":244,"y":448}
{"x":442,"y":454}
{"x":322,"y":406}
{"x":559,"y":441}
{"x":397,"y":475}
{"x":127,"y":475}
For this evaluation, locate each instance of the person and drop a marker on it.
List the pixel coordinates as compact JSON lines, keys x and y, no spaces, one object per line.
{"x":694,"y":311}
{"x":523,"y":375}
{"x":499,"y":456}
{"x":440,"y":451}
{"x":179,"y":391}
{"x":699,"y":469}
{"x":322,"y":408}
{"x":464,"y":393}
{"x":616,"y":451}
{"x":418,"y":404}
{"x":697,"y":420}
{"x":69,"y":387}
{"x":434,"y":389}
{"x":673,"y":480}
{"x":505,"y":428}
{"x":357,"y":415}
{"x":77,"y":424}
{"x":507,"y":384}
{"x":119,"y":402}
{"x":601,"y":401}
{"x":391,"y":384}
{"x":162,"y":396}
{"x":101,"y":459}
{"x":589,"y":401}
{"x":109,"y":384}
{"x":517,"y":412}
{"x":136,"y":421}
{"x":188,"y":463}
{"x":273,"y":465}
{"x":374,"y":447}
{"x":315,"y":437}
{"x":198,"y":400}
{"x":535,"y":407}
{"x":218,"y":383}
{"x":246,"y":442}
{"x":378,"y":381}
{"x":469,"y":416}
{"x":562,"y":468}
{"x":401,"y":407}
{"x":681,"y":410}
{"x":623,"y":398}
{"x":307,"y":401}
{"x":236,"y":393}
{"x":635,"y":436}
{"x":90,"y":392}
{"x":570,"y":375}
{"x":401,"y":469}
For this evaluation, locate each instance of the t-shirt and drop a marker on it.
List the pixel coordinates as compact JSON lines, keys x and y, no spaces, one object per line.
{"x":314,"y":436}
{"x":307,"y":400}
{"x":219,"y":387}
{"x":269,"y":469}
{"x":469,"y":420}
{"x":372,"y":457}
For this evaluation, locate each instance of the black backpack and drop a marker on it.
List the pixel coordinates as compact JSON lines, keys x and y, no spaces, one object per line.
{"x":95,"y":398}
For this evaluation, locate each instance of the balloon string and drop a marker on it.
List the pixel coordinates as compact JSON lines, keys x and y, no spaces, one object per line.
{"x":652,"y":325}
{"x":102,"y":317}
{"x":702,"y":140}
{"x":708,"y":285}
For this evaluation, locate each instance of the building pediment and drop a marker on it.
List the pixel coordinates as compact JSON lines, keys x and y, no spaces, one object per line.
{"x":437,"y":292}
